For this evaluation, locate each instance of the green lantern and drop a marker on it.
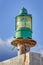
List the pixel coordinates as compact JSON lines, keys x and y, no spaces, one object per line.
{"x":23,"y":25}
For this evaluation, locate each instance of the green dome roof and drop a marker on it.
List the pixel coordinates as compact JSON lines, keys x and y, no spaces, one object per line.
{"x":23,"y":11}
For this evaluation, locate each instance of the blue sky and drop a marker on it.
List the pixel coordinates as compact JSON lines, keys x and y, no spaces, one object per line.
{"x":8,"y":10}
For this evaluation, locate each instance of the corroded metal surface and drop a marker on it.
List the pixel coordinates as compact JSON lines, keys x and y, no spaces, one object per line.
{"x":23,"y":41}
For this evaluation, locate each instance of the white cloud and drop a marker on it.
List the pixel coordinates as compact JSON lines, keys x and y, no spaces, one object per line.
{"x":6,"y":49}
{"x":10,"y":39}
{"x":6,"y":44}
{"x":1,"y":41}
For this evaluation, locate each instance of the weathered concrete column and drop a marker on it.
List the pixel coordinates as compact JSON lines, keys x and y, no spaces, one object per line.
{"x":23,"y":49}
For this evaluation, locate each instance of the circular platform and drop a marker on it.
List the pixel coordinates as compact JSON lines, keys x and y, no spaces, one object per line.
{"x":23,"y":41}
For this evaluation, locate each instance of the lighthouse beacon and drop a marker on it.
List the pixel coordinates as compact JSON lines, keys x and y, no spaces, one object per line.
{"x":23,"y":35}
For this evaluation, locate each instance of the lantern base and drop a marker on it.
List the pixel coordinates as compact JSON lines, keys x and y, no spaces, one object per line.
{"x":30,"y":42}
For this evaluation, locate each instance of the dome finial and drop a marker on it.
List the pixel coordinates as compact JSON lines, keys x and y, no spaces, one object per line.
{"x":23,"y":11}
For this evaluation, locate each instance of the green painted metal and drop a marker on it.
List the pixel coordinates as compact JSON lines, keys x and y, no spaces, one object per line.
{"x":23,"y":11}
{"x":23,"y":32}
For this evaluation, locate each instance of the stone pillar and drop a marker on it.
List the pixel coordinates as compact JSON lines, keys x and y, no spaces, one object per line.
{"x":23,"y":49}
